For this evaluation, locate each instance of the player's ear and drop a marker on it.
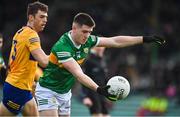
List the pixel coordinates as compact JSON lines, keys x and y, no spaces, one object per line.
{"x":30,"y":17}
{"x":74,"y":27}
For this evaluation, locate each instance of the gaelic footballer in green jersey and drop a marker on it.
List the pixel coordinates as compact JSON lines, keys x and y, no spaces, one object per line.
{"x":64,"y":67}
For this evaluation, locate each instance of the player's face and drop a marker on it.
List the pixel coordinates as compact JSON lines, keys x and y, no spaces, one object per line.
{"x":82,"y":33}
{"x":40,"y":20}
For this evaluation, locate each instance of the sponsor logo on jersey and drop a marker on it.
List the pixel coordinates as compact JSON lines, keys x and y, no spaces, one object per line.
{"x":86,"y":50}
{"x":78,"y":54}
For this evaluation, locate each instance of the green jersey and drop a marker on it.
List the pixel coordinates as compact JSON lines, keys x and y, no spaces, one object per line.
{"x":55,"y":76}
{"x":2,"y":63}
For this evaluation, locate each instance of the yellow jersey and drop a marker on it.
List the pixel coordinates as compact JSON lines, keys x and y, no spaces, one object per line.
{"x":22,"y":65}
{"x":38,"y":74}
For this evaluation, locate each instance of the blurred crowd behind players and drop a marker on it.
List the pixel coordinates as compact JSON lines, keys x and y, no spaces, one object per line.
{"x":148,"y":68}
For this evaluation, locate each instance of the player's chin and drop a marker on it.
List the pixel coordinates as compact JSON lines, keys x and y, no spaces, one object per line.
{"x":41,"y":29}
{"x":83,"y":42}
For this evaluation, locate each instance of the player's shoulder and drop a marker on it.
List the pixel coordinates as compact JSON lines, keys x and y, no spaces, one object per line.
{"x":93,"y":37}
{"x":62,"y":43}
{"x":30,"y":31}
{"x":92,"y":40}
{"x":27,"y":32}
{"x":64,"y":40}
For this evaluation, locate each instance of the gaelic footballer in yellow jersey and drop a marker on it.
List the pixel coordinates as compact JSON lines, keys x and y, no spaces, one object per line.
{"x":22,"y":65}
{"x":25,"y":53}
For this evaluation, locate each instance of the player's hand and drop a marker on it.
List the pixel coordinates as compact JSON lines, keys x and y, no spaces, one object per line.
{"x":157,"y":39}
{"x":87,"y":101}
{"x":112,"y":98}
{"x":104,"y":91}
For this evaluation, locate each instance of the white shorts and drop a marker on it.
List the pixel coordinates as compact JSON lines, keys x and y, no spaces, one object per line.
{"x":48,"y":100}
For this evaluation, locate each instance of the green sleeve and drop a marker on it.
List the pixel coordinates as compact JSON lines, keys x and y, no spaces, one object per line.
{"x":62,"y":51}
{"x":93,"y":40}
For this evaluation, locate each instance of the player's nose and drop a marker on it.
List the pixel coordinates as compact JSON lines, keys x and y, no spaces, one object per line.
{"x":45,"y":20}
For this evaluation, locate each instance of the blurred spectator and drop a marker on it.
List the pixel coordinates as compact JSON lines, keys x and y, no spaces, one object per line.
{"x":153,"y":106}
{"x":2,"y":67}
{"x":95,"y":68}
{"x":2,"y":64}
{"x":176,"y":72}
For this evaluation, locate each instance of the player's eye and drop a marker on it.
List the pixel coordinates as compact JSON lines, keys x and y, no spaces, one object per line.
{"x":85,"y":31}
{"x":42,"y":16}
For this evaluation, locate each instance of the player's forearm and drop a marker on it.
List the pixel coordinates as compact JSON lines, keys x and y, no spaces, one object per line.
{"x":40,"y":56}
{"x":87,"y":81}
{"x":123,"y":41}
{"x":43,"y":63}
{"x":120,"y":41}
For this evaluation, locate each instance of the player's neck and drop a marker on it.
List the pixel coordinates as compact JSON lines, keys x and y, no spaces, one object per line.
{"x":30,"y":25}
{"x":74,"y":38}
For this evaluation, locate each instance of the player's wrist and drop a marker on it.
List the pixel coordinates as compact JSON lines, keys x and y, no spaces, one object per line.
{"x":101,"y":91}
{"x":148,"y":39}
{"x":98,"y":90}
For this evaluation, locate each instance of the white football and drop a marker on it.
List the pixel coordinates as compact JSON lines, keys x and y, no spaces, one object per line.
{"x":119,"y":86}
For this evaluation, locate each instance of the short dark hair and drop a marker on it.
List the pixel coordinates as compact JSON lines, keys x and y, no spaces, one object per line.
{"x":35,"y":6}
{"x":84,"y":19}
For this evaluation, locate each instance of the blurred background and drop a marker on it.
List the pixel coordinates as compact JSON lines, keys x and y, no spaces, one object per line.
{"x":153,"y":71}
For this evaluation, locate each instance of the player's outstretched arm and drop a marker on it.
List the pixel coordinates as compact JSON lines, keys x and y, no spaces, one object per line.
{"x":124,"y":41}
{"x":73,"y":67}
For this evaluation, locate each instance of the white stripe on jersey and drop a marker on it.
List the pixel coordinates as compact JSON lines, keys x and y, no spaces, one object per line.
{"x":63,"y":54}
{"x":61,"y":61}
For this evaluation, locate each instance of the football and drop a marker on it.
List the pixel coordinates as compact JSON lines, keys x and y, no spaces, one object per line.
{"x":119,"y":86}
